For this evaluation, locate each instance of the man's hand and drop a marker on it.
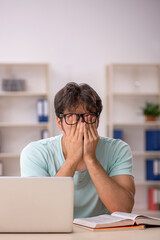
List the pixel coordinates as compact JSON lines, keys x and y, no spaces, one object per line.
{"x":73,"y":142}
{"x":91,"y":139}
{"x":72,"y":145}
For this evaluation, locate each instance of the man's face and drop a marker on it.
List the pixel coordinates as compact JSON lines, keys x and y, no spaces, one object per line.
{"x":62,"y":125}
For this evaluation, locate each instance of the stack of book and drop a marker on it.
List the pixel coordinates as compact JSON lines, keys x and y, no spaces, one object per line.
{"x":153,"y":168}
{"x":116,"y":221}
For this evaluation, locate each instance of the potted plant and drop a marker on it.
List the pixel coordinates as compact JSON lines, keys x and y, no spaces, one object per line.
{"x":151,"y":111}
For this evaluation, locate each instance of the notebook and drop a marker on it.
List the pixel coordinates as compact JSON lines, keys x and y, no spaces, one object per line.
{"x":36,"y":204}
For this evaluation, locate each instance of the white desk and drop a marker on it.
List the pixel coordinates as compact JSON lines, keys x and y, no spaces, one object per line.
{"x":80,"y":234}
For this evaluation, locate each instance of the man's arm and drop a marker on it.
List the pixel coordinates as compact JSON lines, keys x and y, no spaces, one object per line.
{"x":117,"y":192}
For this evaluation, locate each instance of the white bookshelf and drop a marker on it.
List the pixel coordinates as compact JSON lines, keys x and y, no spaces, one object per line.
{"x":21,"y":124}
{"x":146,"y":153}
{"x":147,"y":183}
{"x":137,"y":124}
{"x":129,"y":87}
{"x":18,"y":111}
{"x":23,"y":94}
{"x":9,"y":155}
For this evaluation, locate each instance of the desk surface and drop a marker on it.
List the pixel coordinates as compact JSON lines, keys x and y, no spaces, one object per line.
{"x":79,"y":234}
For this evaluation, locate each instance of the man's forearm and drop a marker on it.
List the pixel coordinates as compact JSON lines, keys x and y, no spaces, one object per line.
{"x":67,"y":170}
{"x":113,"y":195}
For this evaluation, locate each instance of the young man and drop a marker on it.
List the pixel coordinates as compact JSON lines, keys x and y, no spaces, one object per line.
{"x":101,"y":167}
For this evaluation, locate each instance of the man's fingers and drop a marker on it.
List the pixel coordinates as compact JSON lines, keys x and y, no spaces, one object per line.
{"x":86,"y":136}
{"x":94,"y":129}
{"x":91,"y":131}
{"x":80,"y":130}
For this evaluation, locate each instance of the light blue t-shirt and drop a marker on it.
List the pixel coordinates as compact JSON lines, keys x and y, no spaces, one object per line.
{"x":45,"y":157}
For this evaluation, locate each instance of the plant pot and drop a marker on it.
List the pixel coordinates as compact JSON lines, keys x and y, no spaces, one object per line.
{"x":150,"y":118}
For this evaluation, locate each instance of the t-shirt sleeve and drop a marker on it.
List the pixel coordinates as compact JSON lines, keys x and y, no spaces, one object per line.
{"x":33,"y":161}
{"x":121,"y":161}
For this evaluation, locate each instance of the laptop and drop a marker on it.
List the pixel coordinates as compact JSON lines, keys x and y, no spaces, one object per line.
{"x":36,"y":204}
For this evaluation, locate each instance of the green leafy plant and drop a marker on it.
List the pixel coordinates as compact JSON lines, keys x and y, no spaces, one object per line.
{"x":151,"y":109}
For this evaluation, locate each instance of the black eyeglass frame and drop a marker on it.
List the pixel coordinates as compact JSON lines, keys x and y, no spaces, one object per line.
{"x":61,"y":115}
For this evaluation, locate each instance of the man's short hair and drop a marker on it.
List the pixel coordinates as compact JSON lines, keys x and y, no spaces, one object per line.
{"x":73,"y":95}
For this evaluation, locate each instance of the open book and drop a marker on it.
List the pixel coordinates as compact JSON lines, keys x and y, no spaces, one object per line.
{"x":116,"y":219}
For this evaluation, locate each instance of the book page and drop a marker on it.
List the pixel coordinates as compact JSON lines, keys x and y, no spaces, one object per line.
{"x":106,"y":218}
{"x":138,"y":218}
{"x":125,"y":215}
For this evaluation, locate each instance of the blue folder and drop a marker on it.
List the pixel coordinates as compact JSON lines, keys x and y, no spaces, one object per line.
{"x":118,"y":134}
{"x":152,"y":140}
{"x":153,"y":169}
{"x":42,"y":110}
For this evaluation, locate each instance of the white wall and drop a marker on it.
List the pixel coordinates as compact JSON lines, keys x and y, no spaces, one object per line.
{"x":80,"y":37}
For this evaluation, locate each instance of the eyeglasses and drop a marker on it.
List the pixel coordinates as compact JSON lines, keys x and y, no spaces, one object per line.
{"x":73,"y":118}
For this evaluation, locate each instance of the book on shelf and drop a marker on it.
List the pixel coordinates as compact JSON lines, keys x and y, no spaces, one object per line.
{"x":117,"y":220}
{"x":152,"y":140}
{"x":153,"y":199}
{"x":118,"y":134}
{"x":42,"y":110}
{"x":153,"y":169}
{"x":44,"y":133}
{"x":45,"y":110}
